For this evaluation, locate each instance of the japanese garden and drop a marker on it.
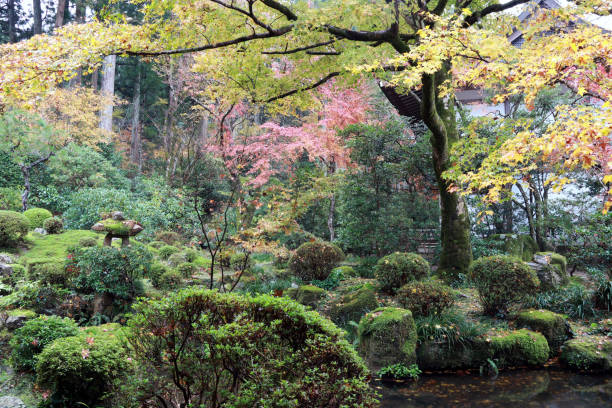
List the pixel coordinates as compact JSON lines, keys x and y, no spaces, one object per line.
{"x":289,"y":203}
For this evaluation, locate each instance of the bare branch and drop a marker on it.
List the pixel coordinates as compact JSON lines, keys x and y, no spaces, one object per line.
{"x":493,"y":8}
{"x":307,"y":88}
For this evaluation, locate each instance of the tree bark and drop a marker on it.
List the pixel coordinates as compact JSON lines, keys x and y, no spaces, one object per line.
{"x":59,"y":16}
{"x":439,"y":116}
{"x":108,"y":90}
{"x":135,"y":145}
{"x":12,"y":21}
{"x":37,"y":27}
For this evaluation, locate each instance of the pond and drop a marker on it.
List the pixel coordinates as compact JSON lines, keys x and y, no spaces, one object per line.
{"x":539,"y":388}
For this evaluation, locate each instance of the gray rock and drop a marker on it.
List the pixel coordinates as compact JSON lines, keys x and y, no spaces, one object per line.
{"x":15,"y":322}
{"x":6,"y":259}
{"x":118,"y":216}
{"x":40,"y":231}
{"x":549,"y":276}
{"x":5,"y":270}
{"x":11,"y":402}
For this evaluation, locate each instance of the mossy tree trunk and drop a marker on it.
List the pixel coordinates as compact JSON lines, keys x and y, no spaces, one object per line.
{"x":439,"y":116}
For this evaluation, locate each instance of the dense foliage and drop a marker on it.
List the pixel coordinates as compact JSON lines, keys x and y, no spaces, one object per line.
{"x":315,"y":260}
{"x":399,"y":268}
{"x":13,"y":227}
{"x":426,"y":297}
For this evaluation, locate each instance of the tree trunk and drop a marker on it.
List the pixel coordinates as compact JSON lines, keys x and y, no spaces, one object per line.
{"x":95,"y":75}
{"x":25,"y":171}
{"x":135,"y":148}
{"x":12,"y":20}
{"x":108,"y":90}
{"x":37,"y":27}
{"x":59,"y":16}
{"x":330,"y":218}
{"x":439,"y":116}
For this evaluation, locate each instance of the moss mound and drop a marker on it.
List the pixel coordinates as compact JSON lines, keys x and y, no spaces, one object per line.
{"x":552,"y":325}
{"x":309,"y":295}
{"x":588,"y":353}
{"x":353,"y":305}
{"x":519,"y":348}
{"x":387,"y":336}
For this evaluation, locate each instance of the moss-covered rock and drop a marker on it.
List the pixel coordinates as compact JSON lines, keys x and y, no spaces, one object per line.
{"x":552,"y":325}
{"x":309,"y":295}
{"x":588,"y":353}
{"x":519,"y":245}
{"x":551,"y":269}
{"x":518,"y":348}
{"x":346,"y":271}
{"x":556,"y":259}
{"x":354,"y":304}
{"x":387,"y":336}
{"x":436,"y":356}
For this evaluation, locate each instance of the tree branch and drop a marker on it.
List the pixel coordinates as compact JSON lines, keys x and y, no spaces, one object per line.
{"x":294,"y":50}
{"x":493,"y":8}
{"x":355,"y":35}
{"x":307,"y":88}
{"x":286,"y":11}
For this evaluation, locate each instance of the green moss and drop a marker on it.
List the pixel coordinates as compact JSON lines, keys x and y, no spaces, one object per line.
{"x":519,"y":245}
{"x":354,"y":304}
{"x":588,"y":353}
{"x":558,"y":260}
{"x":552,"y":325}
{"x":53,"y":246}
{"x":517,"y":348}
{"x":115,"y":227}
{"x":309,"y":295}
{"x":29,"y":314}
{"x":387,"y":336}
{"x":346,"y":271}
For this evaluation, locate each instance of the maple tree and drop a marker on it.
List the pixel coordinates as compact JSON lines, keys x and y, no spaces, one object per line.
{"x":271,"y":51}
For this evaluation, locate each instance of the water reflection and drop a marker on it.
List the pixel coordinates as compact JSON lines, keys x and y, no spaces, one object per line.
{"x":541,"y":388}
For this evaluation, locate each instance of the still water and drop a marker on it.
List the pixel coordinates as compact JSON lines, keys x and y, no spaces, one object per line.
{"x":550,"y":388}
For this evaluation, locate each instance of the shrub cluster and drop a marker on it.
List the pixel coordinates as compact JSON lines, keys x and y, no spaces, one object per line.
{"x":30,"y":339}
{"x":13,"y":228}
{"x":399,"y":268}
{"x":167,"y":250}
{"x":502,"y":280}
{"x":426,"y":297}
{"x":53,"y":225}
{"x":315,"y":260}
{"x":37,"y":216}
{"x":168,"y":237}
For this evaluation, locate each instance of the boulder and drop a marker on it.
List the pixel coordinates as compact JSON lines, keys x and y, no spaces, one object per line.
{"x":309,"y":295}
{"x":6,"y":259}
{"x":40,"y":231}
{"x":588,"y":353}
{"x":11,"y":402}
{"x":519,"y":245}
{"x":14,"y":322}
{"x":5,"y":270}
{"x":355,"y":303}
{"x":518,"y":348}
{"x":551,"y":270}
{"x":553,"y":326}
{"x":387,"y":336}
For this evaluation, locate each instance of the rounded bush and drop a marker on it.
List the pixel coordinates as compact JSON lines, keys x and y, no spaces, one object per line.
{"x":224,"y":257}
{"x":37,"y":216}
{"x":29,"y":340}
{"x":190,"y":254}
{"x":396,"y":269}
{"x":167,"y":250}
{"x":502,"y":280}
{"x":186,"y":269}
{"x":50,"y":271}
{"x":176,"y":259}
{"x":53,"y":225}
{"x":426,"y":297}
{"x":170,"y":280}
{"x":239,"y":261}
{"x":80,"y":369}
{"x":13,"y":228}
{"x":88,"y":242}
{"x":155,"y":272}
{"x":157,"y":244}
{"x":315,"y":260}
{"x":168,"y":237}
{"x":281,"y":354}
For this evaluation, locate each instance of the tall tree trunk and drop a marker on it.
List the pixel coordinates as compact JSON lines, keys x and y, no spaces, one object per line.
{"x":95,"y":77}
{"x":439,"y":116}
{"x":330,"y":218}
{"x":12,"y":21}
{"x":25,"y":172}
{"x":59,"y":15}
{"x":135,"y":143}
{"x":37,"y":27}
{"x":108,"y":90}
{"x":540,"y":234}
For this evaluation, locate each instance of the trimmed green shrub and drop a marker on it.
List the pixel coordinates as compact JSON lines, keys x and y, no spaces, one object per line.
{"x":176,"y":259}
{"x":190,"y":254}
{"x":88,"y":242}
{"x":167,"y":250}
{"x":399,"y":268}
{"x":155,"y":272}
{"x":170,"y":280}
{"x":79,"y":370}
{"x":110,"y":270}
{"x":29,"y":340}
{"x":187,"y":269}
{"x":315,"y":260}
{"x":427,"y":297}
{"x":157,"y":244}
{"x":280,"y":354}
{"x":502,"y":280}
{"x":53,"y":225}
{"x":168,"y":237}
{"x":37,"y":216}
{"x":13,"y":228}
